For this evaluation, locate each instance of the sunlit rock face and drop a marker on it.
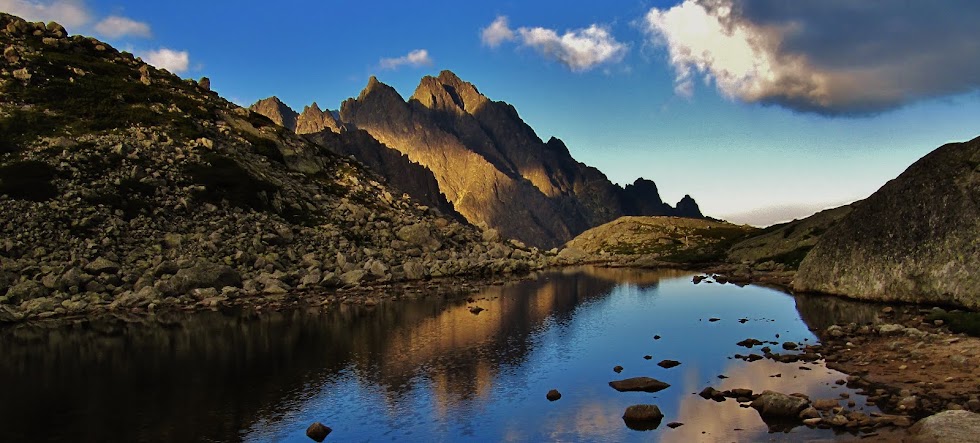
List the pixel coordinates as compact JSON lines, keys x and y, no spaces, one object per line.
{"x":915,"y":239}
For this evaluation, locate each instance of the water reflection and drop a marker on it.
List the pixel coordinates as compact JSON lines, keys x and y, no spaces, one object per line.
{"x":409,"y":371}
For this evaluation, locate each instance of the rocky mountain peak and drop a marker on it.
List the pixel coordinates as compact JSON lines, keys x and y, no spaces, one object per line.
{"x":448,"y":92}
{"x":687,"y":207}
{"x":277,"y":111}
{"x":314,"y":120}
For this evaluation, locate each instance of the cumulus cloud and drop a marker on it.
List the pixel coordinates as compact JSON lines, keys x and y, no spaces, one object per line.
{"x":498,"y":32}
{"x":68,"y":13}
{"x":828,"y":57}
{"x":578,"y":49}
{"x":169,"y":59}
{"x":115,"y":26}
{"x":416,"y":58}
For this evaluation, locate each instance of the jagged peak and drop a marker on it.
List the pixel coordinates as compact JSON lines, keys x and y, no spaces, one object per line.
{"x":375,"y":86}
{"x":313,"y":107}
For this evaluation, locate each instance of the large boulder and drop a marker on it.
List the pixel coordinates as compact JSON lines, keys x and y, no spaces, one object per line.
{"x":947,"y":427}
{"x":914,"y":240}
{"x":201,"y":275}
{"x":778,"y":405}
{"x":644,"y":384}
{"x":643,"y":417}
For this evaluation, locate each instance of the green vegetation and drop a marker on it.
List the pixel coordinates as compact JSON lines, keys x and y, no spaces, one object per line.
{"x":21,"y":127}
{"x":959,"y":321}
{"x":28,"y":180}
{"x":791,"y":259}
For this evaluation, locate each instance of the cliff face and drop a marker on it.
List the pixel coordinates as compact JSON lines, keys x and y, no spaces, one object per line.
{"x":313,"y":120}
{"x":916,"y":239}
{"x":491,"y":165}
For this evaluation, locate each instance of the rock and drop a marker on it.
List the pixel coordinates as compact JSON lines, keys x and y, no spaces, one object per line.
{"x":143,"y":297}
{"x":353,"y":278}
{"x":826,"y":404}
{"x":22,"y":74}
{"x":714,"y":319}
{"x":837,"y":420}
{"x":648,"y":357}
{"x":101,"y":265}
{"x":789,"y":346}
{"x":667,"y":364}
{"x":476,"y":310}
{"x":25,"y":291}
{"x":418,"y":235}
{"x":204,"y":83}
{"x":38,"y":305}
{"x":809,"y":413}
{"x":145,"y":75}
{"x":553,"y":395}
{"x":617,"y":369}
{"x":913,"y":240}
{"x":891,"y":329}
{"x":414,"y":270}
{"x":318,"y":432}
{"x":775,"y":404}
{"x":644,"y":384}
{"x":201,"y":275}
{"x":643,"y":417}
{"x":572,"y":254}
{"x":709,"y":393}
{"x":812,"y":421}
{"x":947,"y":427}
{"x":674,"y":424}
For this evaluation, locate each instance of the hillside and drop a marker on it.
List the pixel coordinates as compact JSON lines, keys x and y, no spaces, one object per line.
{"x":917,"y":239}
{"x":487,"y":161}
{"x":123,"y":186}
{"x":668,"y":239}
{"x":787,"y":243}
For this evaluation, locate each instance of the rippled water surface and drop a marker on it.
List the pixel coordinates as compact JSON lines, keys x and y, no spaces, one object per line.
{"x":426,"y":370}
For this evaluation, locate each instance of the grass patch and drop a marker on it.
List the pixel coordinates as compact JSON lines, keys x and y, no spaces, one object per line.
{"x":959,"y":322}
{"x":28,"y":180}
{"x":791,"y":259}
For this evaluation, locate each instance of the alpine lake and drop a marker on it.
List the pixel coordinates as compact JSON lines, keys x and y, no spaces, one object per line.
{"x":431,"y":369}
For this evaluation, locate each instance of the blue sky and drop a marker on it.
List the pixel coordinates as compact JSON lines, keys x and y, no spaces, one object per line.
{"x":824,"y":104}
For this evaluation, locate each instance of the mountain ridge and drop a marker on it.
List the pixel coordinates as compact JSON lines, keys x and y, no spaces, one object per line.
{"x":492,"y":166}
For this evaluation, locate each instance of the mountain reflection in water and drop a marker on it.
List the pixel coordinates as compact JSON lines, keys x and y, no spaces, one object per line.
{"x":419,"y":370}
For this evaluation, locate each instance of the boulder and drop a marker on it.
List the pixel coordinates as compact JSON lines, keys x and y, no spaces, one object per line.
{"x":644,"y":384}
{"x":102,"y":266}
{"x":201,"y":275}
{"x":318,"y":432}
{"x":353,"y":278}
{"x":418,"y":235}
{"x":914,"y":240}
{"x":775,"y":404}
{"x":553,"y":395}
{"x":643,"y":417}
{"x":947,"y":427}
{"x":26,"y":290}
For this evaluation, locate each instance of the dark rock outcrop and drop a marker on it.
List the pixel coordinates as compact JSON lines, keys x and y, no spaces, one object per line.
{"x":914,"y":240}
{"x":643,"y":384}
{"x":313,"y":120}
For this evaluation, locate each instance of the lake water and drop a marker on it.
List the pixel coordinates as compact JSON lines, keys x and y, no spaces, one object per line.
{"x":426,"y":370}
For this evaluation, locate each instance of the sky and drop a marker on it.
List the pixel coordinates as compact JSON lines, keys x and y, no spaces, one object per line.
{"x":762,"y":110}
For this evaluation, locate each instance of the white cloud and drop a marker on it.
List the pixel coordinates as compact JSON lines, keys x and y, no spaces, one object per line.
{"x":169,"y":59}
{"x":497,"y":33}
{"x":115,"y":26}
{"x":578,"y":49}
{"x":416,"y":58}
{"x":68,"y":13}
{"x":823,"y":57}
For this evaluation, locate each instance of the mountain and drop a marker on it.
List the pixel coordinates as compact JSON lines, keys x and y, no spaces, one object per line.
{"x":492,"y":166}
{"x":916,"y":239}
{"x":312,"y":120}
{"x":123,"y":186}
